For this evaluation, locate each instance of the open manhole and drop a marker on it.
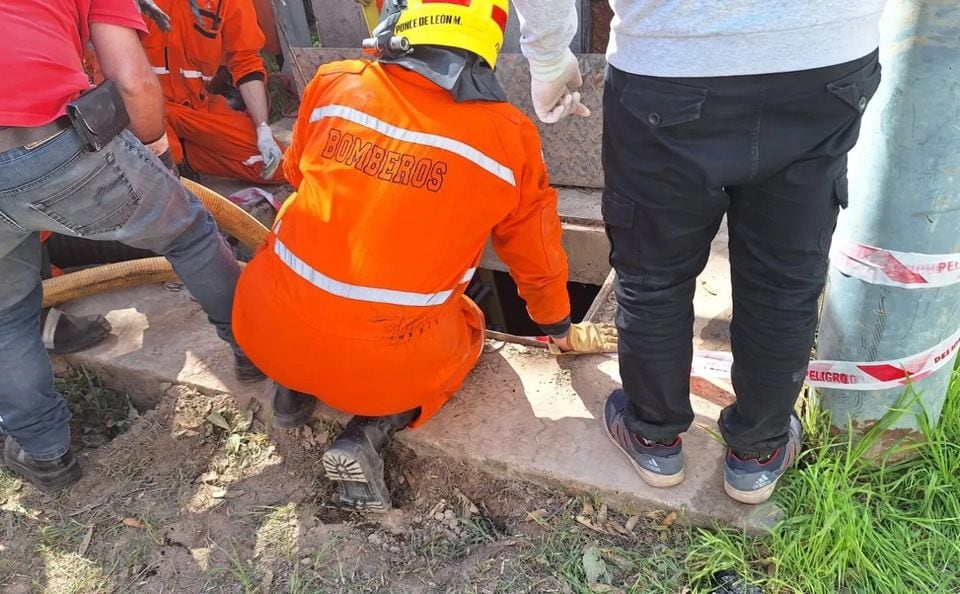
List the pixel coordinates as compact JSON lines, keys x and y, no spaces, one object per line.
{"x":98,"y":414}
{"x":505,"y":311}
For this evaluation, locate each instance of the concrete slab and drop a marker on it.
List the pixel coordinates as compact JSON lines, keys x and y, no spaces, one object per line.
{"x":522,"y":414}
{"x":571,"y":147}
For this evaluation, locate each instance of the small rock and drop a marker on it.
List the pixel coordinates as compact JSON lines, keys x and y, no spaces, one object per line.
{"x":394,"y":549}
{"x":439,"y":516}
{"x":375,"y":539}
{"x":417,"y":519}
{"x":306,"y":561}
{"x":449,"y":515}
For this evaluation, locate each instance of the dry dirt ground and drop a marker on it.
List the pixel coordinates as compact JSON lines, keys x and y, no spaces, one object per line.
{"x":197,"y":496}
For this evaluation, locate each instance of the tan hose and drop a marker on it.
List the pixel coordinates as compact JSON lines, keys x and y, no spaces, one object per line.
{"x":230,"y":217}
{"x":92,"y":281}
{"x":101,"y":279}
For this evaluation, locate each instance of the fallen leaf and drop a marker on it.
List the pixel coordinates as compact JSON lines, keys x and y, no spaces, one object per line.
{"x":594,"y":568}
{"x":586,"y":522}
{"x":632,"y":523}
{"x":132,"y":523}
{"x":233,"y":443}
{"x":86,"y":541}
{"x":669,"y":520}
{"x":537,"y":515}
{"x":587,"y":509}
{"x":243,"y":420}
{"x":619,"y":529}
{"x":307,"y":431}
{"x":602,"y":516}
{"x":617,"y":559}
{"x":215,"y":418}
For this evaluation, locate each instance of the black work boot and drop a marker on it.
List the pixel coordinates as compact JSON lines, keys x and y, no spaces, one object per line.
{"x":67,"y":333}
{"x":46,"y":475}
{"x":245,"y":369}
{"x":291,"y":408}
{"x":355,"y":463}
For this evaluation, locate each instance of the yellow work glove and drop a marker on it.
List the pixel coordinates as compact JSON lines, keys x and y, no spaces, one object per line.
{"x":587,"y":337}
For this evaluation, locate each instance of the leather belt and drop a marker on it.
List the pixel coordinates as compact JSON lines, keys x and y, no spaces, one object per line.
{"x":14,"y":138}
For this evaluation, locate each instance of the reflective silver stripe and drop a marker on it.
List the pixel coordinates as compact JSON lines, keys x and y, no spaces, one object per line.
{"x":160,"y":70}
{"x":441,"y":142}
{"x":194,"y":74}
{"x":356,"y":292}
{"x":468,"y":275}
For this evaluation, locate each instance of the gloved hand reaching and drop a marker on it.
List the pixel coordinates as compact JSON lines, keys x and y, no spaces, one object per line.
{"x":269,"y":150}
{"x":586,"y":337}
{"x":553,"y":88}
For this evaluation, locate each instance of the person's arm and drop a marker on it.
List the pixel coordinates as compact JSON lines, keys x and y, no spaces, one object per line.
{"x":546,"y":29}
{"x":528,"y":242}
{"x":122,"y":60}
{"x":243,"y":40}
{"x":254,"y":95}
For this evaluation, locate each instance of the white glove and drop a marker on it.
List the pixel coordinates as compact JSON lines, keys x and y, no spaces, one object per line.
{"x":269,"y":150}
{"x":553,"y":87}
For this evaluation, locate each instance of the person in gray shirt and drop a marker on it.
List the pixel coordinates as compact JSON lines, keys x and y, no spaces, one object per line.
{"x":738,"y":108}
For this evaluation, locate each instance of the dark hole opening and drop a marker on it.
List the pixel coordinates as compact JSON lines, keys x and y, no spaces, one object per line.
{"x":496,"y":294}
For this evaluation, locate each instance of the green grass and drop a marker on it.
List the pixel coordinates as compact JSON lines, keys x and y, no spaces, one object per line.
{"x":99,"y":413}
{"x":855,"y":524}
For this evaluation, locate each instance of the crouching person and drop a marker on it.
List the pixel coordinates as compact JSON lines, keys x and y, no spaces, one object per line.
{"x":403,"y":168}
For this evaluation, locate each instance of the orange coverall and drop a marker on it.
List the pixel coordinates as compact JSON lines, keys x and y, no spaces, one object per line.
{"x":202,"y":127}
{"x":357,"y":296}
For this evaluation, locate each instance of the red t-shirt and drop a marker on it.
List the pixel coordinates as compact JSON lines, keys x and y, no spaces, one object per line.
{"x":41,"y":53}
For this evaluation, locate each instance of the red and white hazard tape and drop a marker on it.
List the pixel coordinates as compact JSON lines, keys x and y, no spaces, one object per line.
{"x":896,"y":269}
{"x":873,"y":375}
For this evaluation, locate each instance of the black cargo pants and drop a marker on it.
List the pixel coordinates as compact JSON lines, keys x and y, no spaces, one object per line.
{"x":767,"y":151}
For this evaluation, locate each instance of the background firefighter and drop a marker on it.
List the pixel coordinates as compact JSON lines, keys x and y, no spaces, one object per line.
{"x":204,"y":131}
{"x":403,"y":168}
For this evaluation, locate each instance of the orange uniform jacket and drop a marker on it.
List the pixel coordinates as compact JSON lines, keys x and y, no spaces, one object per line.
{"x":217,"y":139}
{"x":357,"y":298}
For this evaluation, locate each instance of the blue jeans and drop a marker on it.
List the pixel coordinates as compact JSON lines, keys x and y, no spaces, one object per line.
{"x":120,"y":193}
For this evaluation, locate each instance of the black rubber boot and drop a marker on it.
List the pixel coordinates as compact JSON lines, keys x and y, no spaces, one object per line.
{"x":245,"y":369}
{"x":67,"y":333}
{"x":291,"y":408}
{"x":47,"y":475}
{"x":355,"y":463}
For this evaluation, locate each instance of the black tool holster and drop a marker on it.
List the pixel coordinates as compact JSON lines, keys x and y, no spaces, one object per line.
{"x":99,"y":115}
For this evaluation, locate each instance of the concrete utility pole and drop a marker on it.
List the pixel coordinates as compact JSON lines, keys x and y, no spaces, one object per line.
{"x":905,"y":200}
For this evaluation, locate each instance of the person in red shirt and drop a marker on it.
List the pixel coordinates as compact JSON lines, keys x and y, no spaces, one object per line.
{"x":78,"y":176}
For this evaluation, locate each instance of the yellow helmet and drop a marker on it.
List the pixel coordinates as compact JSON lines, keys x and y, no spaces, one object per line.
{"x":473,"y":25}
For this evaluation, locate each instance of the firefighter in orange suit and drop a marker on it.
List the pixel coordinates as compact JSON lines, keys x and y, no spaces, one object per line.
{"x":403,"y":168}
{"x":204,"y":131}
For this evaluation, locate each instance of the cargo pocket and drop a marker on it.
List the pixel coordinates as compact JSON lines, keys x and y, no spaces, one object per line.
{"x":619,"y":221}
{"x":840,"y":201}
{"x":856,"y":89}
{"x":98,"y":202}
{"x":661,"y":104}
{"x":840,"y":191}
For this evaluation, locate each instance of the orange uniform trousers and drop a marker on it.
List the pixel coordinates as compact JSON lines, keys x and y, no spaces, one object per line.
{"x":217,"y":140}
{"x":360,"y":375}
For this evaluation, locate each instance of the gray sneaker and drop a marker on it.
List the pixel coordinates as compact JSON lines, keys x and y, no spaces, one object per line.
{"x":752,"y":481}
{"x":659,"y":465}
